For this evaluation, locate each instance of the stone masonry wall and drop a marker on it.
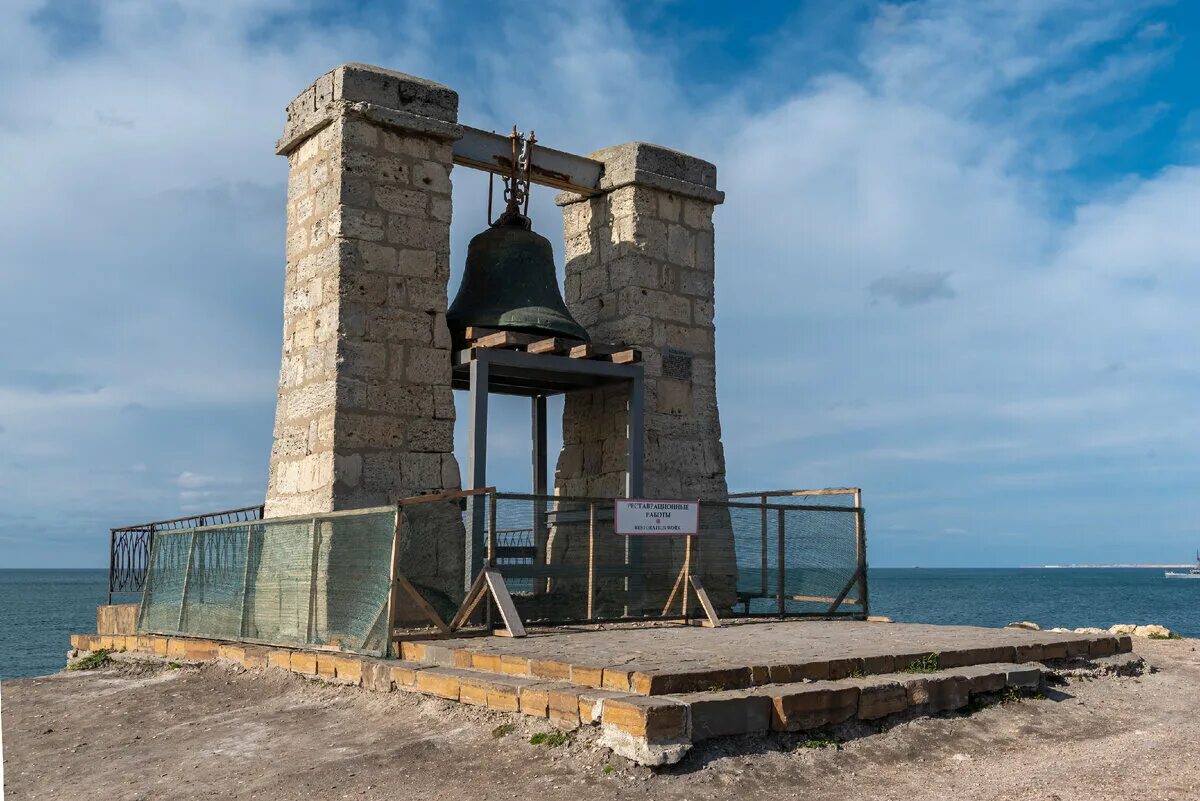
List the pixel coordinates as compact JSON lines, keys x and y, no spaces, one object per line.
{"x":365,"y":413}
{"x":639,"y":271}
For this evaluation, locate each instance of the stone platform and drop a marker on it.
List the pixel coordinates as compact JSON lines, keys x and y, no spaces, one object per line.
{"x":654,"y":691}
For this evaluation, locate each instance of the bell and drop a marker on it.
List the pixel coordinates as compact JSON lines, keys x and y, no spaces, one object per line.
{"x":510,"y":284}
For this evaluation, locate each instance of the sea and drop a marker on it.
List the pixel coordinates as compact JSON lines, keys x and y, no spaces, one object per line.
{"x":40,"y":609}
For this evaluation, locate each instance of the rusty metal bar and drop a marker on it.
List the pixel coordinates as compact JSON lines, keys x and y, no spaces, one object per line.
{"x":493,"y":153}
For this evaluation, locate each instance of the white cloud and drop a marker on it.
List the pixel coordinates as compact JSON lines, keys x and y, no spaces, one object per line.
{"x":143,"y":244}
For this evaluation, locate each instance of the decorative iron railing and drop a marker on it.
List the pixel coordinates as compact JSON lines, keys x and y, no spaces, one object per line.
{"x":129,"y":546}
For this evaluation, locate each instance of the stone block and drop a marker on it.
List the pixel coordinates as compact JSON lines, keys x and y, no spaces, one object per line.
{"x":472,"y":692}
{"x":348,"y":669}
{"x":326,"y":666}
{"x":878,"y":700}
{"x":255,"y":657}
{"x":403,"y":677}
{"x":1024,"y":676}
{"x":1030,"y":652}
{"x":117,"y":619}
{"x":412,"y":651}
{"x":652,"y":718}
{"x":514,"y":665}
{"x":983,"y":678}
{"x":802,"y":707}
{"x":550,"y":669}
{"x":442,"y":682}
{"x":691,"y":681}
{"x":587,"y":676}
{"x":563,"y":708}
{"x":1055,"y":650}
{"x":938,"y":693}
{"x":976,"y":656}
{"x":280,"y":659}
{"x":615,"y":679}
{"x":303,"y":662}
{"x":233,"y":653}
{"x":485,"y":661}
{"x":1102,"y":646}
{"x":535,"y":700}
{"x":726,"y":714}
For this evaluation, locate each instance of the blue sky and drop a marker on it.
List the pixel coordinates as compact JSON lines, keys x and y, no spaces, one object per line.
{"x":956,"y":266}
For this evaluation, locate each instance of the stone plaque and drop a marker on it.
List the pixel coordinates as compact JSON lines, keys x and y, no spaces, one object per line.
{"x":677,"y":364}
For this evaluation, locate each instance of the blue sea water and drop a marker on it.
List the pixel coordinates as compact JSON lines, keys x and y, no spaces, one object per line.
{"x":40,"y":609}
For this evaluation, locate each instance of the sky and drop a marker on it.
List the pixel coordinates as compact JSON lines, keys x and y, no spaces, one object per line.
{"x":956,"y":264}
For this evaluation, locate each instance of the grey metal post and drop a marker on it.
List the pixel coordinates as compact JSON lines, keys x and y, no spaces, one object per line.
{"x":637,"y":438}
{"x":476,"y":465}
{"x":634,"y":584}
{"x":540,"y":482}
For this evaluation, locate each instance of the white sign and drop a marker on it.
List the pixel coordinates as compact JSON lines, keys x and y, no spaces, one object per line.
{"x":641,"y":516}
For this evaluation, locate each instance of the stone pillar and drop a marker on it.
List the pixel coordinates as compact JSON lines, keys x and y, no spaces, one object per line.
{"x":365,"y":413}
{"x":639,"y":271}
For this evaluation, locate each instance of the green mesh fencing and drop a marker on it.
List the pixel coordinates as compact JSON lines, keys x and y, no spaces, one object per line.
{"x":292,"y":581}
{"x":563,"y":562}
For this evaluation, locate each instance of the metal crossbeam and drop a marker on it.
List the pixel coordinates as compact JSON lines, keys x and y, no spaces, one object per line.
{"x":492,"y":152}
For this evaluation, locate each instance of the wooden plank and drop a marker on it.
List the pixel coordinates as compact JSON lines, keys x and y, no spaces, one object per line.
{"x":393,"y":572}
{"x":820,"y":599}
{"x":591,"y":565}
{"x":710,"y":611}
{"x":421,"y":603}
{"x":592,"y":350}
{"x":675,"y":591}
{"x":504,"y":602}
{"x":842,"y":595}
{"x":470,"y":601}
{"x":505,"y":339}
{"x":444,"y":496}
{"x":475,"y":332}
{"x":628,"y":356}
{"x":552,"y":345}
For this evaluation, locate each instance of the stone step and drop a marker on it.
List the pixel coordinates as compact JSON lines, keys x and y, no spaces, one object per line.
{"x":801,"y":706}
{"x":650,"y":729}
{"x":654,"y":681}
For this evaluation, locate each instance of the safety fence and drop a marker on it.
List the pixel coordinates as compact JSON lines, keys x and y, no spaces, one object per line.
{"x":358,"y":580}
{"x":310,"y":581}
{"x":774,"y":555}
{"x":129,"y":546}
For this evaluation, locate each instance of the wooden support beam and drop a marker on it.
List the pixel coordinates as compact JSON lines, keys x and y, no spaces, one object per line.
{"x":505,"y":339}
{"x":627,"y":356}
{"x":592,"y":350}
{"x":421,"y":603}
{"x":504,"y":602}
{"x":710,"y":612}
{"x":475,"y":332}
{"x":552,"y":345}
{"x":470,"y":601}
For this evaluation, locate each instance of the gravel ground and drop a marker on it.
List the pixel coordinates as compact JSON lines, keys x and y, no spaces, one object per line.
{"x":144,"y":731}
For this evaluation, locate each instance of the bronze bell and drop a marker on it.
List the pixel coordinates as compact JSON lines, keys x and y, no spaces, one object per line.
{"x":510,"y":284}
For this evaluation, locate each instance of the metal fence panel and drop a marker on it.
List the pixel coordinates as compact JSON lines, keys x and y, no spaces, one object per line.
{"x":312,"y":581}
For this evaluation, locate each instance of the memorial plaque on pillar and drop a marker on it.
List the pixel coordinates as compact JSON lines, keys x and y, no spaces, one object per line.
{"x":677,"y":364}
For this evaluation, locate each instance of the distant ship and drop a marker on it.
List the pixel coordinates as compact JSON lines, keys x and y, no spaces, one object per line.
{"x":1194,"y":573}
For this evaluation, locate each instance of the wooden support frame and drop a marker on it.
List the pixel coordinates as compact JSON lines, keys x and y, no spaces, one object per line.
{"x":490,"y":583}
{"x":685,"y":580}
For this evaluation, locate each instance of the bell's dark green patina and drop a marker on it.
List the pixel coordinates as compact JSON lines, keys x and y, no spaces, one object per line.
{"x":509,"y":284}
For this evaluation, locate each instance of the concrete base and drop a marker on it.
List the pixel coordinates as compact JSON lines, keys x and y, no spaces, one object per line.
{"x":802,"y":676}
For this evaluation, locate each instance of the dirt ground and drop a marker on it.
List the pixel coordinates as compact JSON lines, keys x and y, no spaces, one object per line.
{"x":143,"y":732}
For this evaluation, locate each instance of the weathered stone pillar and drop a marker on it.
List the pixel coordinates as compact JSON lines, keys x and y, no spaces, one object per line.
{"x":365,"y":413}
{"x":639,"y":271}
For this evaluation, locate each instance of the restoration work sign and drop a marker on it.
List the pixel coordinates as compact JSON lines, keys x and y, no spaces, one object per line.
{"x":641,"y":516}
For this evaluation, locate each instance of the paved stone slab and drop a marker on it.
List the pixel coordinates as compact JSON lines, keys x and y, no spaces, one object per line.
{"x":672,"y":660}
